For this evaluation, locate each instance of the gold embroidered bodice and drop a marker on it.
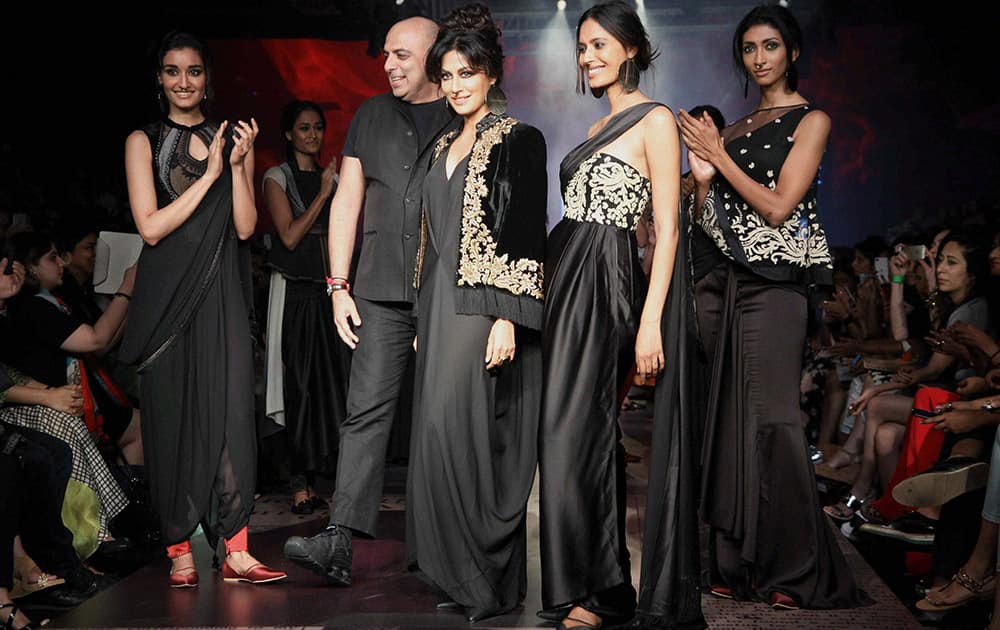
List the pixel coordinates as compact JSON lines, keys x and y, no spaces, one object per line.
{"x":607,"y":190}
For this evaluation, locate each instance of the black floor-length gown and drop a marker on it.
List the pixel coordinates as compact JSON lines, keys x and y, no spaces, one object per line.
{"x":189,"y":333}
{"x":759,"y":495}
{"x":595,"y":290}
{"x":472,"y":448}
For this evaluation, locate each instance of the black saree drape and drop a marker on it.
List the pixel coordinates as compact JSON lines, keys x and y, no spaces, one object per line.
{"x":189,"y":333}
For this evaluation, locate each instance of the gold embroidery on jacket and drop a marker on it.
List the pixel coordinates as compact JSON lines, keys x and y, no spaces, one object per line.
{"x":478,"y":262}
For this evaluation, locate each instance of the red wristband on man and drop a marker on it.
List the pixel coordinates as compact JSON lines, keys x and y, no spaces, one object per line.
{"x":334,"y":283}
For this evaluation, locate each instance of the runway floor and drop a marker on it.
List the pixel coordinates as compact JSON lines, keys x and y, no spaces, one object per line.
{"x":384,"y":595}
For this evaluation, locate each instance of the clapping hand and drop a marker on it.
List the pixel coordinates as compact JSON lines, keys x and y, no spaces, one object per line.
{"x":701,"y":137}
{"x":243,"y":136}
{"x":214,"y":166}
{"x":327,"y":179}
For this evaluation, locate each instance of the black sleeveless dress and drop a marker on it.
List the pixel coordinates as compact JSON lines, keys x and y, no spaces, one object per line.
{"x":189,"y":333}
{"x":758,"y":494}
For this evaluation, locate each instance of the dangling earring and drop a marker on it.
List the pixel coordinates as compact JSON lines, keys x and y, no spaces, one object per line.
{"x":628,"y":75}
{"x":496,"y":100}
{"x":746,"y":85}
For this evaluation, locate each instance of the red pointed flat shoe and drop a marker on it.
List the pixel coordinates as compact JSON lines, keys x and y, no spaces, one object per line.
{"x":720,"y":590}
{"x":257,"y":574}
{"x":187,"y":579}
{"x":780,"y":601}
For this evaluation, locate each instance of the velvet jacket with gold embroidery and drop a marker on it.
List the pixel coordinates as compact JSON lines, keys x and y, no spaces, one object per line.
{"x":503,"y":222}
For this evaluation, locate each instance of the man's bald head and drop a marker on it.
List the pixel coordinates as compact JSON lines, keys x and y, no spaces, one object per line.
{"x":406,"y":46}
{"x":424,"y":29}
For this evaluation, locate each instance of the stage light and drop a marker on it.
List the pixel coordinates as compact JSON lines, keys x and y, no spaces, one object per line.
{"x":561,"y":5}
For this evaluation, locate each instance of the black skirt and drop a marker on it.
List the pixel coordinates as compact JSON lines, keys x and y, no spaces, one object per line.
{"x":317,"y":369}
{"x":759,"y":492}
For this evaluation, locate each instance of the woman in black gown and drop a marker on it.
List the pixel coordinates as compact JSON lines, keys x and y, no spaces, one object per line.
{"x":190,"y":185}
{"x":598,"y":323}
{"x":478,"y":389}
{"x":761,"y":247}
{"x":300,"y":330}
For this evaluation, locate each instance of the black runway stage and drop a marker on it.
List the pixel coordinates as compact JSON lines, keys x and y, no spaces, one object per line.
{"x":384,"y":595}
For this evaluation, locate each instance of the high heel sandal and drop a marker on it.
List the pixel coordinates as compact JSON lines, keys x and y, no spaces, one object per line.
{"x":316,"y":501}
{"x":301,"y":504}
{"x":23,"y":588}
{"x":982,"y":589}
{"x":24,"y":566}
{"x":9,"y":624}
{"x":847,"y":508}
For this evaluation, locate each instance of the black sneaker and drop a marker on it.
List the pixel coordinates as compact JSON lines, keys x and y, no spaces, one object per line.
{"x":914,"y":528}
{"x":866,"y":515}
{"x":328,"y":553}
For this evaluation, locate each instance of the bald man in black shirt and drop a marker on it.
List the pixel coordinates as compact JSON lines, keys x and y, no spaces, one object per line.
{"x":385,"y":158}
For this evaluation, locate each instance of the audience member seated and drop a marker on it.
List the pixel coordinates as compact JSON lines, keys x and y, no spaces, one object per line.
{"x":909,"y":321}
{"x":962,"y":272}
{"x":76,"y":244}
{"x":56,"y":348}
{"x":946,"y":482}
{"x":94,"y":498}
{"x":34,"y":469}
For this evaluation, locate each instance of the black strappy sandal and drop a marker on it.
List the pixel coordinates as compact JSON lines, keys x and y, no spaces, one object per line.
{"x":9,"y":624}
